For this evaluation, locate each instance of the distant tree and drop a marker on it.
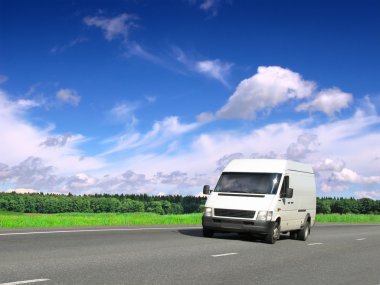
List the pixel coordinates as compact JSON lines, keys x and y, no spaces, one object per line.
{"x":155,"y":207}
{"x":130,"y":206}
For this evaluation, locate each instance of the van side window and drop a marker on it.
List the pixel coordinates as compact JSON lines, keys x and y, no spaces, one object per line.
{"x":285,"y":185}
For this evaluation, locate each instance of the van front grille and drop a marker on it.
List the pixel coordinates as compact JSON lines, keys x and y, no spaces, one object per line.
{"x":234,"y":213}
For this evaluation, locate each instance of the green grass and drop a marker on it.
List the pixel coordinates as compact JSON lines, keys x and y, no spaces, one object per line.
{"x":347,"y":218}
{"x":22,"y":220}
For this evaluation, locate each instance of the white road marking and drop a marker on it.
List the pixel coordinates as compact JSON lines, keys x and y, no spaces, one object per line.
{"x":218,"y":255}
{"x":93,"y":230}
{"x":360,"y":238}
{"x":315,"y":243}
{"x":25,"y":282}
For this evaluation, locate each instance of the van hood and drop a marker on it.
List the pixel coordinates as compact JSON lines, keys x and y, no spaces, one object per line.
{"x":240,"y":201}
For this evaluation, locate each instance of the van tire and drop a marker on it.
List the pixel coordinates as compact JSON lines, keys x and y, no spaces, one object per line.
{"x":303,"y":233}
{"x":208,"y":233}
{"x":274,"y":235}
{"x":293,"y":235}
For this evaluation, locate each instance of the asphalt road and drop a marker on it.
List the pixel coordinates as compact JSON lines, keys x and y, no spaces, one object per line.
{"x":333,"y":254}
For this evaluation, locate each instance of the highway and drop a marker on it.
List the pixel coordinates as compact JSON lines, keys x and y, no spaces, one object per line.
{"x":333,"y":254}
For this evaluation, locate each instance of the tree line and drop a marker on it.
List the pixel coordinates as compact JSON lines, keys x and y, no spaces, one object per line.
{"x":328,"y":205}
{"x":171,"y":204}
{"x":100,"y":203}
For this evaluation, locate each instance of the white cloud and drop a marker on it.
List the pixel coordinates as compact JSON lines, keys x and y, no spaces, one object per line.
{"x":23,"y":140}
{"x":117,"y":27}
{"x":304,"y":145}
{"x":123,"y":113}
{"x":3,"y":78}
{"x":329,"y":164}
{"x":210,"y":6}
{"x":68,"y":96}
{"x":205,"y":117}
{"x":62,"y":48}
{"x":375,"y":195}
{"x":268,"y":88}
{"x":212,"y":68}
{"x":350,"y":176}
{"x":328,"y":101}
{"x":27,"y":103}
{"x":59,"y":140}
{"x":215,"y":69}
{"x":332,"y":188}
{"x":162,"y":131}
{"x":22,"y":190}
{"x":137,"y":50}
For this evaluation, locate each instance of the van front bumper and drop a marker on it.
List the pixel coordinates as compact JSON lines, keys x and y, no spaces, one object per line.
{"x":238,"y":226}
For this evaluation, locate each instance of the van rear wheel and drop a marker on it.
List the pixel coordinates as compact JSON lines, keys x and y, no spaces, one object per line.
{"x":274,"y":235}
{"x":293,"y":235}
{"x":303,"y":234}
{"x":208,"y":233}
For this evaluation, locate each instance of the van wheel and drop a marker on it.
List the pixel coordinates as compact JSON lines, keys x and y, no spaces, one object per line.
{"x":303,"y":234}
{"x":208,"y":233}
{"x":274,"y":235}
{"x":293,"y":235}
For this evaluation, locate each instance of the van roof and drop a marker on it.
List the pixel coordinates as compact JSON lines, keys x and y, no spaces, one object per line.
{"x":266,"y":166}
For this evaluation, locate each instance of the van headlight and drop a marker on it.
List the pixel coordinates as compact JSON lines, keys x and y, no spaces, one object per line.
{"x":264,"y":216}
{"x":207,"y":211}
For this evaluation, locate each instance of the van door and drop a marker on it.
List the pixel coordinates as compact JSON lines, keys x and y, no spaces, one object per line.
{"x":286,"y":206}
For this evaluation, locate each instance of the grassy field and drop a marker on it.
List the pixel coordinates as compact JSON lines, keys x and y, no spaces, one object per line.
{"x":21,"y":220}
{"x":347,"y":218}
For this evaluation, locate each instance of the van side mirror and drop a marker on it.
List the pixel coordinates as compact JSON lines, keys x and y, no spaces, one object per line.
{"x":289,"y":192}
{"x":206,"y":190}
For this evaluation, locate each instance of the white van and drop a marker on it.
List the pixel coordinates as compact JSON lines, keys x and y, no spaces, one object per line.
{"x":262,"y":196}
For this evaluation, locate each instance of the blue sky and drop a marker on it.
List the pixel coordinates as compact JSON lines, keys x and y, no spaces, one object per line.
{"x":157,"y":96}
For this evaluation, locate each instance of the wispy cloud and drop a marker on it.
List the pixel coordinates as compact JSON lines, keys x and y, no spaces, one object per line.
{"x":113,"y":28}
{"x":3,"y":78}
{"x":62,"y":48}
{"x":212,"y":68}
{"x":210,"y":6}
{"x":123,"y":113}
{"x":68,"y":96}
{"x":161,"y":132}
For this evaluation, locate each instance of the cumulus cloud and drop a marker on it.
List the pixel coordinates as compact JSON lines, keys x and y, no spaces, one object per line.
{"x":332,"y":188}
{"x":116,"y":27}
{"x":68,"y":96}
{"x":350,"y":176}
{"x":268,"y":88}
{"x":329,"y":164}
{"x":31,"y":173}
{"x":304,"y":145}
{"x":328,"y":101}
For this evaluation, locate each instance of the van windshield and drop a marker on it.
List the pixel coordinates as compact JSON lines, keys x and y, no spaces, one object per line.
{"x":254,"y":183}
